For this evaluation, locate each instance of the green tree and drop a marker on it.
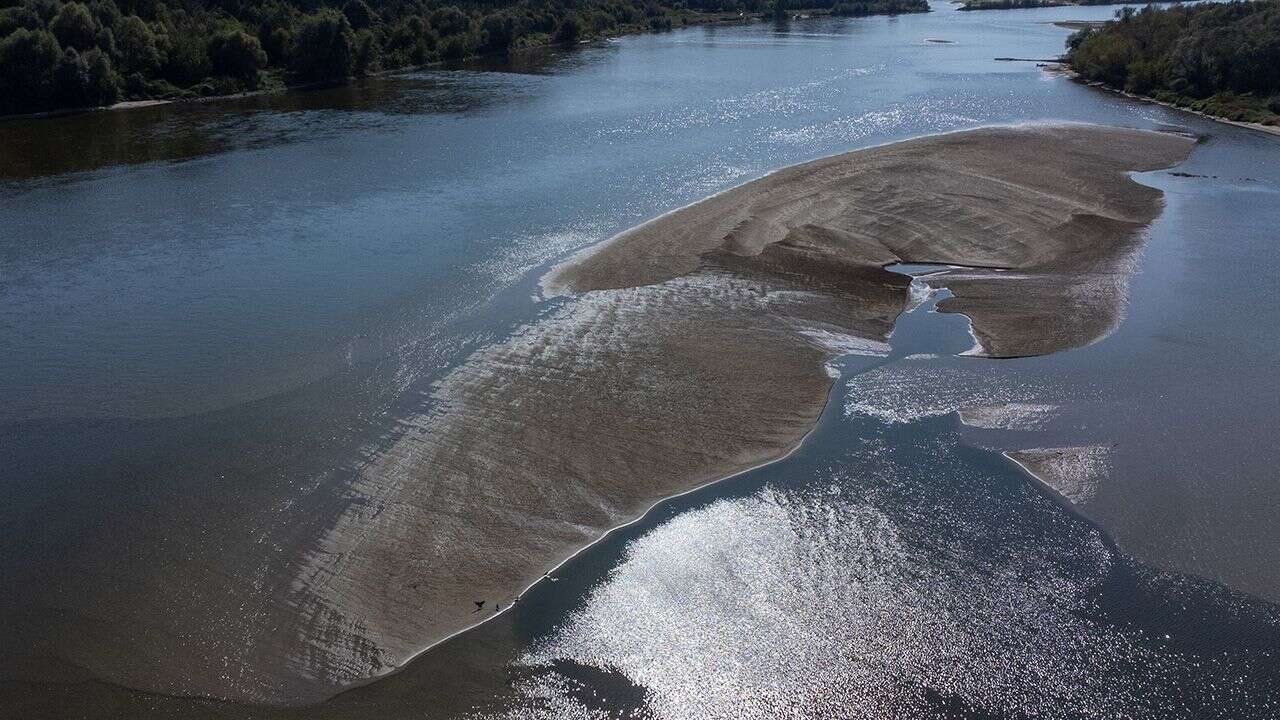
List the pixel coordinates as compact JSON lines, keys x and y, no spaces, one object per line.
{"x":104,"y":82}
{"x":239,"y":55}
{"x":570,"y":30}
{"x":136,"y":44}
{"x":359,"y":14}
{"x":449,"y":20}
{"x":412,"y":42}
{"x":27,"y":62}
{"x":187,"y":59}
{"x":85,"y":80}
{"x":324,"y":48}
{"x":1220,"y":58}
{"x":44,"y":9}
{"x":278,"y":44}
{"x":368,"y":57}
{"x":71,"y":79}
{"x":18,"y":18}
{"x":499,"y":31}
{"x":105,"y":12}
{"x":75,"y":27}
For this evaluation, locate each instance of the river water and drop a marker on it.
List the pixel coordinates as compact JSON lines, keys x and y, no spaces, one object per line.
{"x":214,"y":315}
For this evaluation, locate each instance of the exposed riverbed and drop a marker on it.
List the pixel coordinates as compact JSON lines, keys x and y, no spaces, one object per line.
{"x":220,"y":328}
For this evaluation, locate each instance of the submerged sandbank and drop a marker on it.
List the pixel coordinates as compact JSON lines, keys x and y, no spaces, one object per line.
{"x":684,"y":350}
{"x":693,"y":347}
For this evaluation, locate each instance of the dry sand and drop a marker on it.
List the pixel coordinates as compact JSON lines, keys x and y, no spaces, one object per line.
{"x":687,"y":349}
{"x":1050,"y":207}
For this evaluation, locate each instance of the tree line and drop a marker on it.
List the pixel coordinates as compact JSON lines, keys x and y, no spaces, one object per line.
{"x":1219,"y":58}
{"x":88,"y":53}
{"x":1027,"y":4}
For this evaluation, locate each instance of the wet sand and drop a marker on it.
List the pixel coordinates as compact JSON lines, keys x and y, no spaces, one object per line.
{"x":693,"y":347}
{"x":683,"y":351}
{"x":1071,"y":472}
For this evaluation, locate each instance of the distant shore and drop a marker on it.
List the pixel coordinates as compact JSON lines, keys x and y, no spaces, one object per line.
{"x":1032,"y":4}
{"x":688,"y":19}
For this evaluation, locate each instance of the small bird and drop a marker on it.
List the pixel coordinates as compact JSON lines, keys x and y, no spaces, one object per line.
{"x":479,"y":606}
{"x":552,"y":579}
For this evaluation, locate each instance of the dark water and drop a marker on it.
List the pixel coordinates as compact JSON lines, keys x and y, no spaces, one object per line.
{"x":211,"y":315}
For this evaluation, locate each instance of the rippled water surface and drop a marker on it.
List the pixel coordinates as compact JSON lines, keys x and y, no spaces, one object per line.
{"x":212,"y":315}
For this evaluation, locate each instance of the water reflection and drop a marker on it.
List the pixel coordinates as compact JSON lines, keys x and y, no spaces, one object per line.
{"x":34,"y":148}
{"x":906,"y":581}
{"x":891,"y":568}
{"x":279,"y":310}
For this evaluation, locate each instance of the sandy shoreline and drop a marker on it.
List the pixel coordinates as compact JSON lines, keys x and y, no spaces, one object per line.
{"x":683,"y":351}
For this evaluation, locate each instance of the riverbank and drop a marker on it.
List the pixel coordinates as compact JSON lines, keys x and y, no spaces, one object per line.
{"x":1144,"y":52}
{"x":1063,"y":67}
{"x":275,"y":83}
{"x":1269,"y":129}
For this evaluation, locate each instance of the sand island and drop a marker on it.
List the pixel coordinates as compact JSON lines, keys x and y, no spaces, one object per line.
{"x":694,"y":347}
{"x":682,"y":351}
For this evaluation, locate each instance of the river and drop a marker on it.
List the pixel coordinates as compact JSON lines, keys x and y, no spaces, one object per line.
{"x":214,"y":316}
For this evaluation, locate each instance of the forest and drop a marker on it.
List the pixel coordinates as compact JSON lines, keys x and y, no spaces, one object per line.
{"x":1027,"y":4}
{"x":92,"y":53}
{"x":1222,"y":59}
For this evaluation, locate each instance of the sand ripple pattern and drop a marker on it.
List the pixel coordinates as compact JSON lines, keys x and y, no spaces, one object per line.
{"x":693,"y":347}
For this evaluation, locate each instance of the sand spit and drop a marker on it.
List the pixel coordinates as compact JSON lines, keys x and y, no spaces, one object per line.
{"x":1072,"y":472}
{"x":684,"y":350}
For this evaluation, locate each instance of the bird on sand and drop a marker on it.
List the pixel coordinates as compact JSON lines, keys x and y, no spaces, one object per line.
{"x":479,"y":606}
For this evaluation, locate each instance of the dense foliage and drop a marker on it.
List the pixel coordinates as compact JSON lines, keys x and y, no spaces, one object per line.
{"x":1223,"y":59}
{"x":859,"y":8}
{"x":848,"y":8}
{"x":79,"y":53}
{"x":1024,"y":4}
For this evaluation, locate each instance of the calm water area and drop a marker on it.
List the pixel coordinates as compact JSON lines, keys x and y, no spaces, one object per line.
{"x":213,"y":315}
